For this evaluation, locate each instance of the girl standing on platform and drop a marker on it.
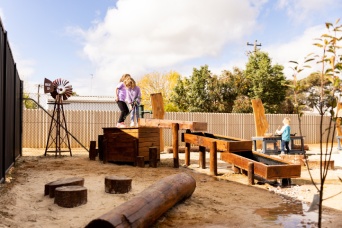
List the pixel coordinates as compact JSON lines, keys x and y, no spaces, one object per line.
{"x":121,"y":93}
{"x":285,"y":132}
{"x":133,"y":98}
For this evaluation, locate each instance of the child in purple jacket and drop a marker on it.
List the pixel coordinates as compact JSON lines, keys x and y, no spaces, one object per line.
{"x":133,"y":98}
{"x":121,"y":95}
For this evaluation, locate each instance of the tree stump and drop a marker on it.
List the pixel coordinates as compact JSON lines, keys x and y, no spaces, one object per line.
{"x":117,"y":184}
{"x":70,"y":196}
{"x":51,"y":186}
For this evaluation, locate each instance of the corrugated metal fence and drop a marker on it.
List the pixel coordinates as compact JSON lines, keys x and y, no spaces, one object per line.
{"x":10,"y":107}
{"x":87,"y":125}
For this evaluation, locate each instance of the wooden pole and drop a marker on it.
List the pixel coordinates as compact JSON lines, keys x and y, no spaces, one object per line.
{"x":92,"y":150}
{"x":201,"y":158}
{"x":175,"y":143}
{"x":100,"y":146}
{"x":140,"y":161}
{"x":146,"y":207}
{"x":153,"y":157}
{"x":213,"y":159}
{"x":187,"y":154}
{"x":251,"y":173}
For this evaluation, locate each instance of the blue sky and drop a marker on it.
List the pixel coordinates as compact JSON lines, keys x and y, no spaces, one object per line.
{"x":92,"y":43}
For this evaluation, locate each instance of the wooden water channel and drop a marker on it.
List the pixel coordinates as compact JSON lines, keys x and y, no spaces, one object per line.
{"x":238,"y":152}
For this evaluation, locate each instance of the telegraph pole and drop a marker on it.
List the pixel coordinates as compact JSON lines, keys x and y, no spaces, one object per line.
{"x":255,"y":45}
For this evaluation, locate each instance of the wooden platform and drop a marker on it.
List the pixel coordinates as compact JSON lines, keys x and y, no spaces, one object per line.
{"x":125,"y":144}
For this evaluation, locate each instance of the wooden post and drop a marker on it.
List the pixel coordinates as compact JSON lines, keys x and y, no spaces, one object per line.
{"x":153,"y":157}
{"x":213,"y":159}
{"x":100,"y":146}
{"x":261,"y":124}
{"x":145,"y":208}
{"x":251,"y":173}
{"x":140,"y":161}
{"x":201,"y":158}
{"x":92,"y":150}
{"x":158,"y":112}
{"x":175,"y":143}
{"x":187,"y":154}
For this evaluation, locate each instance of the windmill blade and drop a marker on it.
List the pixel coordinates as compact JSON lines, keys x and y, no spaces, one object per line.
{"x":65,"y":82}
{"x":62,"y":88}
{"x":48,"y":86}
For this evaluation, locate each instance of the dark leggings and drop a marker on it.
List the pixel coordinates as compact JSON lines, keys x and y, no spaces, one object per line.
{"x":124,"y":111}
{"x":285,"y":145}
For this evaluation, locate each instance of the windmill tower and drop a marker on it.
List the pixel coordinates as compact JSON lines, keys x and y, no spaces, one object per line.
{"x":58,"y":137}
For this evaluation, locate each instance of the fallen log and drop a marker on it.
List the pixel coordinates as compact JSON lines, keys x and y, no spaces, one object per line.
{"x":146,"y":207}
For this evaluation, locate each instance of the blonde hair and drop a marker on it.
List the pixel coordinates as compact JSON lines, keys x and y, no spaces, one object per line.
{"x":129,"y":83}
{"x":124,"y":77}
{"x":286,"y":120}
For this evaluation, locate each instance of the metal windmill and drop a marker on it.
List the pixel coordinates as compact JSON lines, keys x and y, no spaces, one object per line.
{"x":58,"y":132}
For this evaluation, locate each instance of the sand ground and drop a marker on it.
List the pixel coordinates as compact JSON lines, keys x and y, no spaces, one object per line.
{"x":223,"y":201}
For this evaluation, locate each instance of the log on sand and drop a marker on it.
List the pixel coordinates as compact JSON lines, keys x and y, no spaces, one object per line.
{"x":146,"y":207}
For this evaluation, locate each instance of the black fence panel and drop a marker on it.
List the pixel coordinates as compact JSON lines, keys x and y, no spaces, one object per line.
{"x":10,"y":107}
{"x":2,"y":102}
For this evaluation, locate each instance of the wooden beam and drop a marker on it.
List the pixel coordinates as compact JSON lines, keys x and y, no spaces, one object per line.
{"x":261,"y":124}
{"x":158,"y":112}
{"x":183,"y":125}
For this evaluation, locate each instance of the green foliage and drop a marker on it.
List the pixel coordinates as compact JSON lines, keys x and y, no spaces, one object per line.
{"x":205,"y":92}
{"x":28,"y":103}
{"x":323,"y":91}
{"x":242,"y":104}
{"x":267,"y":81}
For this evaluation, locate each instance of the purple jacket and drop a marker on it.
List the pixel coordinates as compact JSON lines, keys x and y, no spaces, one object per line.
{"x":134,"y":95}
{"x":121,"y":91}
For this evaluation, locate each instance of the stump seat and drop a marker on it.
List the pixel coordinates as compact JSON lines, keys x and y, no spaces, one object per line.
{"x":51,"y":186}
{"x":117,"y":184}
{"x":70,"y":196}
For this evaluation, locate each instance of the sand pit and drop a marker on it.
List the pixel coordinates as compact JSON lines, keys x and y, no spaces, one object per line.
{"x":223,"y":201}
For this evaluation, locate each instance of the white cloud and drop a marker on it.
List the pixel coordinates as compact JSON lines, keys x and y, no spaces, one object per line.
{"x":139,"y":37}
